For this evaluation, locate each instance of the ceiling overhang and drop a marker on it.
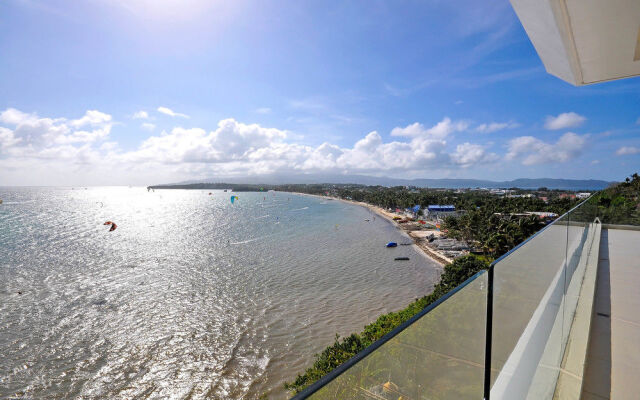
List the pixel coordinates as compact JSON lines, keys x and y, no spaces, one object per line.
{"x":584,"y":41}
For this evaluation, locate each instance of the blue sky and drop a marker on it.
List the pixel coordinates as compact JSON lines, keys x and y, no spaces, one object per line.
{"x":140,"y":92}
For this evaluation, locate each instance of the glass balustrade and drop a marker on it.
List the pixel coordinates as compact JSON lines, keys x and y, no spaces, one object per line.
{"x":502,"y":334}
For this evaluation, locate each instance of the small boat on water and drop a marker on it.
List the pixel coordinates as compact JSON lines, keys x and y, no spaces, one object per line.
{"x":401,"y":258}
{"x":392,"y":244}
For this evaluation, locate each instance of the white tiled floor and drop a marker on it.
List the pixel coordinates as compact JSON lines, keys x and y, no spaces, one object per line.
{"x":613,"y":364}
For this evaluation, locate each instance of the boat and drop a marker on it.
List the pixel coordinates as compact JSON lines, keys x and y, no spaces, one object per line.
{"x":401,"y":258}
{"x":392,"y":244}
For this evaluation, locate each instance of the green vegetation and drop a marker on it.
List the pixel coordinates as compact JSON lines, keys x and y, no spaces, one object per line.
{"x":619,"y":204}
{"x":405,"y":197}
{"x":493,"y":234}
{"x":344,"y":348}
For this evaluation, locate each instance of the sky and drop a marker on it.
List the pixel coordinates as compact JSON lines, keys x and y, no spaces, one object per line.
{"x":139,"y":92}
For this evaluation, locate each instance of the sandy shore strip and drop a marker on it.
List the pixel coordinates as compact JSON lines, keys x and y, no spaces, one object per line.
{"x":416,"y":236}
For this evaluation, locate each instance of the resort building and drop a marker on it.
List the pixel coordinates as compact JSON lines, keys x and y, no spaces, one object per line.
{"x":440,"y":211}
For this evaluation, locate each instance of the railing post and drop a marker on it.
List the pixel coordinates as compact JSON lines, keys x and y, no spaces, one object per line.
{"x":488,"y":337}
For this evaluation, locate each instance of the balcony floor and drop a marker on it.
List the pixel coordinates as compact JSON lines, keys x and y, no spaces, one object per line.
{"x":613,"y":358}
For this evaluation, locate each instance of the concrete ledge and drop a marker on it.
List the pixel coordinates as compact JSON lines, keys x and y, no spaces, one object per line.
{"x":623,"y":227}
{"x":572,"y":369}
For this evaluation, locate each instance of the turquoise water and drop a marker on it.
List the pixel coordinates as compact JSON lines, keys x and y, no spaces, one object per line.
{"x":191,"y":296}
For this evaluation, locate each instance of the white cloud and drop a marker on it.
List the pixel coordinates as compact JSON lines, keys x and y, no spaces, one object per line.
{"x":147,"y":126}
{"x":413,"y":130}
{"x":140,"y":115}
{"x":446,"y":126}
{"x":595,"y":162}
{"x":232,"y":140}
{"x":263,"y":110}
{"x":628,"y":150}
{"x":564,"y":120}
{"x":235,"y":146}
{"x":171,"y":113}
{"x":12,"y":116}
{"x":534,"y":151}
{"x":439,"y":131}
{"x":93,"y":118}
{"x":40,"y":150}
{"x":468,"y":154}
{"x":496,"y":126}
{"x":70,"y":148}
{"x":33,"y":133}
{"x":7,"y":138}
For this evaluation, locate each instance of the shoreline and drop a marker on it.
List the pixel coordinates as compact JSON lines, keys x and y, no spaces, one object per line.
{"x":429,"y":253}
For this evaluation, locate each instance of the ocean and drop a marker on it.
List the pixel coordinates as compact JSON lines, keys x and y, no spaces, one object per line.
{"x":191,"y":296}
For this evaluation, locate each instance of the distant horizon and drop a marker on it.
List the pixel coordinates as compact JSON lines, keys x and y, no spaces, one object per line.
{"x":345,"y":181}
{"x":522,"y":183}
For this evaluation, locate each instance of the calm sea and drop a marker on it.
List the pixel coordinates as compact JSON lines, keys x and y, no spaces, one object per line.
{"x":191,"y":296}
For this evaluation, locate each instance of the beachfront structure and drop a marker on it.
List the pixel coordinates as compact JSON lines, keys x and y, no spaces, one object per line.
{"x":526,"y":195}
{"x":542,"y":214}
{"x":556,"y":317}
{"x":437,"y":208}
{"x":437,"y":211}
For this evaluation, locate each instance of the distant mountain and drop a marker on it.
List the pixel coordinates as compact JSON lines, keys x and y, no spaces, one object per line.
{"x":523,"y":183}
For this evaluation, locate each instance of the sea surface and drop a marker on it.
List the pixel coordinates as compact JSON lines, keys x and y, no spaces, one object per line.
{"x":191,"y":297}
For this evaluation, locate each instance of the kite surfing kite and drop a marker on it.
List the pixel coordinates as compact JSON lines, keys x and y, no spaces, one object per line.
{"x":233,"y":198}
{"x":113,"y":225}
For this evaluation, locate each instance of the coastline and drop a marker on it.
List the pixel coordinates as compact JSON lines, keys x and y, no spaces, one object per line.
{"x":429,"y":253}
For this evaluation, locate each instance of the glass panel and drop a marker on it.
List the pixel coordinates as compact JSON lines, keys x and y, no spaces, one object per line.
{"x":529,"y":286}
{"x":578,"y":246}
{"x":544,"y":381}
{"x":583,"y":239}
{"x":440,"y":356}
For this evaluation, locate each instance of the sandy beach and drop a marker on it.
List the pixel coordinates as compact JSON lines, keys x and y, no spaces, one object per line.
{"x":418,"y":236}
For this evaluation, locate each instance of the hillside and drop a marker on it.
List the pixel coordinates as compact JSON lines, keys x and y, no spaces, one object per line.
{"x":271,"y":180}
